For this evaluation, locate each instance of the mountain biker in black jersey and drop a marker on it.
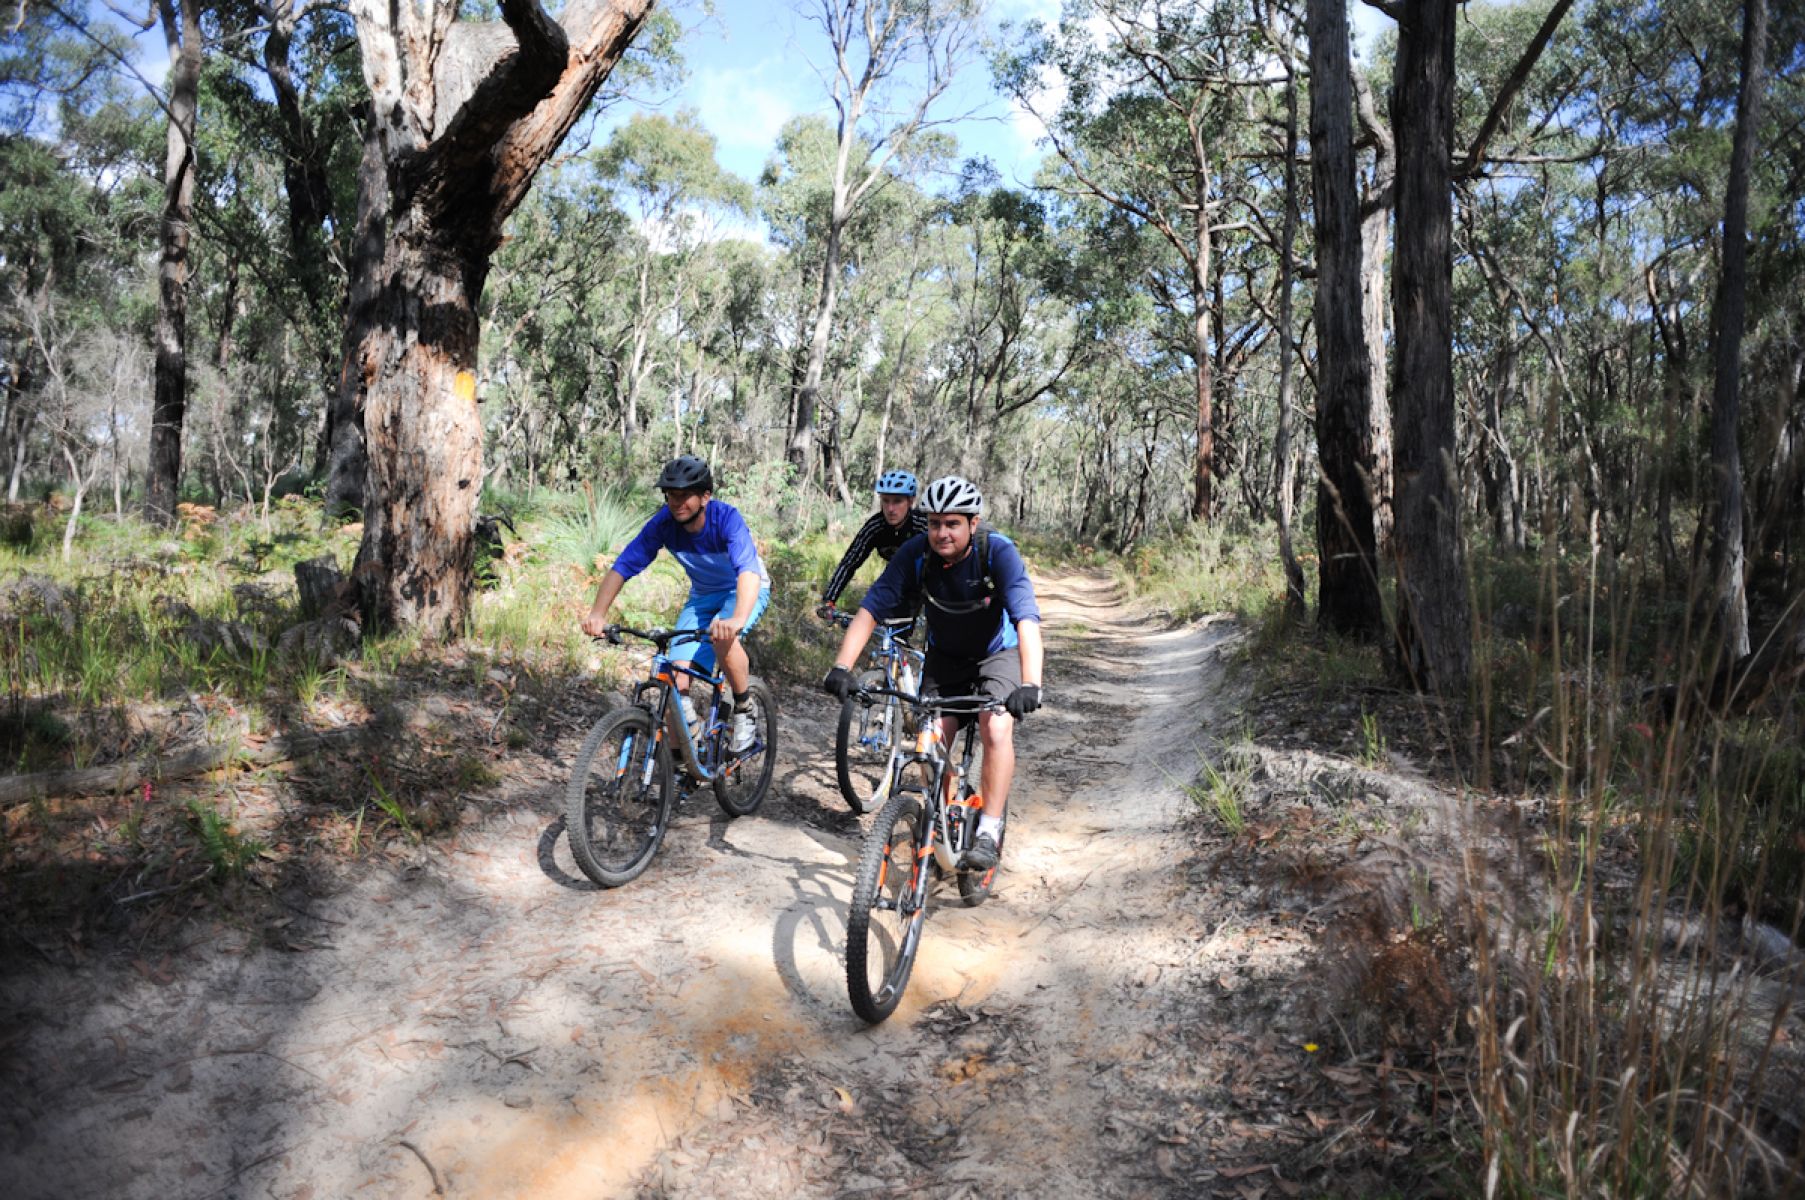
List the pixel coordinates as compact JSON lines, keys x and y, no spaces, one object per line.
{"x":983,"y":634}
{"x":895,"y":522}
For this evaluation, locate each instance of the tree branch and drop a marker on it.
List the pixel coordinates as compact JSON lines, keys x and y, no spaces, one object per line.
{"x":1513,"y":83}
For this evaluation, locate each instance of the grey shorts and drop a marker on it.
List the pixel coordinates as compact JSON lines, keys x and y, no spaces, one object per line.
{"x":994,"y":677}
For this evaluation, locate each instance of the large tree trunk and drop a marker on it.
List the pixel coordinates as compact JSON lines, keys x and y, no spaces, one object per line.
{"x":1375,"y":226}
{"x":1283,"y":460}
{"x":801,"y":451}
{"x":1730,"y":594}
{"x":182,"y":33}
{"x":1204,"y":464}
{"x":1348,"y":595}
{"x":466,"y":112}
{"x":347,"y":459}
{"x":1435,"y":638}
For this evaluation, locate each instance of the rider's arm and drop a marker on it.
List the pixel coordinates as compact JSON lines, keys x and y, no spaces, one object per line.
{"x":745,"y":597}
{"x":597,"y":618}
{"x":853,"y":559}
{"x":1028,"y":642}
{"x":857,"y":634}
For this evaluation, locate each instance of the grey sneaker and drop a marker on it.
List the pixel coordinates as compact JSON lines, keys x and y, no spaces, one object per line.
{"x":745,"y":731}
{"x":983,"y":854}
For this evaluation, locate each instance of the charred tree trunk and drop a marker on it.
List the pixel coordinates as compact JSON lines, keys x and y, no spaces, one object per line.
{"x":466,"y":113}
{"x":1435,"y":637}
{"x":347,"y":459}
{"x":1284,"y":460}
{"x":182,"y":33}
{"x":1348,"y":595}
{"x":1727,"y":550}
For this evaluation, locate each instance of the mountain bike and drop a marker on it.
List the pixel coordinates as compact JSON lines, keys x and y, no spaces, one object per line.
{"x":922,"y":833}
{"x":628,"y":777}
{"x":872,"y":730}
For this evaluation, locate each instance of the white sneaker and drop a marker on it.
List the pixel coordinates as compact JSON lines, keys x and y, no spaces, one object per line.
{"x":745,"y":731}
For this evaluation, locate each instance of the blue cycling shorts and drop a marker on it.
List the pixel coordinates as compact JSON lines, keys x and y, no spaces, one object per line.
{"x":698,"y":611}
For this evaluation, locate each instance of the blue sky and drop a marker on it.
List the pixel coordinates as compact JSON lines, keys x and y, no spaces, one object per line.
{"x":751,"y":66}
{"x":750,"y":69}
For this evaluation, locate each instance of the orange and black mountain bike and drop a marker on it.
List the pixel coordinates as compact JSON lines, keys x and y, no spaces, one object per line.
{"x":928,"y":822}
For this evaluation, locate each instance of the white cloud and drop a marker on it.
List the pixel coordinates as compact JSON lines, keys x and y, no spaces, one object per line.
{"x":744,"y":107}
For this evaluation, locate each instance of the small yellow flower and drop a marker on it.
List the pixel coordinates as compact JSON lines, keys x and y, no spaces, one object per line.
{"x":1310,"y":1047}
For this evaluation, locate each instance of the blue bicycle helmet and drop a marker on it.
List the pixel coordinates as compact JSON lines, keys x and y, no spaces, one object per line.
{"x":896,"y":483}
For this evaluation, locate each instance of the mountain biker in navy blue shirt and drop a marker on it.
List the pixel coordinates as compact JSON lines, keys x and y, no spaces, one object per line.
{"x":728,"y":585}
{"x":983,"y":634}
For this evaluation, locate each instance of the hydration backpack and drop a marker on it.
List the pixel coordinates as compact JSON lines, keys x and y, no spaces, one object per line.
{"x":961,"y":607}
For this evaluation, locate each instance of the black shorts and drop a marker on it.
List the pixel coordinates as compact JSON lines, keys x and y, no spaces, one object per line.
{"x":994,"y":677}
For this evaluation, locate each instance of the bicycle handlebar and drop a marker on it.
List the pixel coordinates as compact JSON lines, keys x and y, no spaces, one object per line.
{"x":933,"y":702}
{"x":661,"y":638}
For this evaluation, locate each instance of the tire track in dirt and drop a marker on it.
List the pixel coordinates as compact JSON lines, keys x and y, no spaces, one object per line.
{"x":488,"y":1013}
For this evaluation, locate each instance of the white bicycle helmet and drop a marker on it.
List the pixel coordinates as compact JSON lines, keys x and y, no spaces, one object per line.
{"x":952,"y":494}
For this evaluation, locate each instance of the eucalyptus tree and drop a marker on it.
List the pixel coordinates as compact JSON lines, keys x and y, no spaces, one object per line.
{"x":463,"y":114}
{"x":1435,"y":641}
{"x":1012,"y":340}
{"x":181,"y":21}
{"x":1729,"y":588}
{"x":663,"y":173}
{"x":1346,"y":539}
{"x":1149,"y":111}
{"x":889,"y":64}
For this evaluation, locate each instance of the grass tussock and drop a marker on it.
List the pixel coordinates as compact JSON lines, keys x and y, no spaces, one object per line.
{"x":1607,"y":990}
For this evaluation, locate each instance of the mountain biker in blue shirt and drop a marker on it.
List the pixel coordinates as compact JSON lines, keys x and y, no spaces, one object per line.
{"x":728,"y":585}
{"x":983,"y":635}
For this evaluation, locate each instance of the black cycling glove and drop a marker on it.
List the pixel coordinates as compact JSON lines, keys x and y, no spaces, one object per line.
{"x":1023,"y":700}
{"x":838,"y":683}
{"x":826,"y":610}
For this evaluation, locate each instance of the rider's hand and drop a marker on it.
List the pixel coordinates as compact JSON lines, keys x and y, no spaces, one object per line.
{"x":1023,"y":700}
{"x":826,"y":610}
{"x":594,"y":623}
{"x":724,"y":629}
{"x":838,"y":683}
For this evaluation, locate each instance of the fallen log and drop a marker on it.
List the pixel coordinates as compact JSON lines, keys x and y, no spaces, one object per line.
{"x":132,"y":774}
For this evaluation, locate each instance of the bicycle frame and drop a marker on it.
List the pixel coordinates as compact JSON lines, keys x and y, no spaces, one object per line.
{"x":946,"y":790}
{"x":704,"y":758}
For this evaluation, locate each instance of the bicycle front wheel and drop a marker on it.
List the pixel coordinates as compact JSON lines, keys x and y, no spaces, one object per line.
{"x":741,"y":783}
{"x":889,"y":905}
{"x":864,"y":744}
{"x":619,"y":802}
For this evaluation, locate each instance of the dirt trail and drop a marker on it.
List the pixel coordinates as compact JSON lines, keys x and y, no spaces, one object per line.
{"x":487,"y":1024}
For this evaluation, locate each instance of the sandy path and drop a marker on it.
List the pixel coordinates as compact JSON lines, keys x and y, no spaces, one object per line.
{"x":491,"y":1023}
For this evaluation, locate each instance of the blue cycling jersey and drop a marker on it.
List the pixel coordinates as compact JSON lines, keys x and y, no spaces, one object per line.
{"x":713,"y":558}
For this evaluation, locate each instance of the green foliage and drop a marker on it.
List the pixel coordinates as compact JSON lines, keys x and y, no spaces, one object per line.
{"x":598,"y":529}
{"x":1219,"y":792}
{"x":228,"y":852}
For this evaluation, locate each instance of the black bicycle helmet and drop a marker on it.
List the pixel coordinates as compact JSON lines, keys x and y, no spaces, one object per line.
{"x":686,"y":473}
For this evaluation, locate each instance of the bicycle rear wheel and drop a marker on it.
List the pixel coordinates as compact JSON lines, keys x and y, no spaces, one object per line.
{"x":889,"y":904}
{"x":741,"y":783}
{"x":864,"y":744}
{"x":619,"y":801}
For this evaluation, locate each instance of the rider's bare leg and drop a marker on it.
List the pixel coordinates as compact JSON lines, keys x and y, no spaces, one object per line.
{"x":996,"y":732}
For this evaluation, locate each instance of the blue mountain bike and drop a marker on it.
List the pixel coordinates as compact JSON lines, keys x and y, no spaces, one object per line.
{"x":628,"y":779}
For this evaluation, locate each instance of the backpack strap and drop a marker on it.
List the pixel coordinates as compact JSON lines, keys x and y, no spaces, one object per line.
{"x":963,"y":606}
